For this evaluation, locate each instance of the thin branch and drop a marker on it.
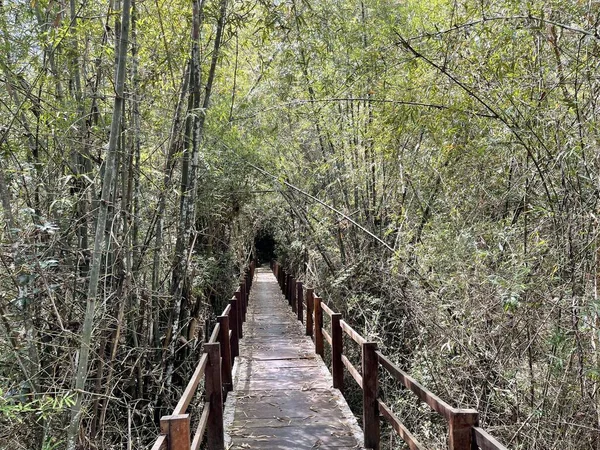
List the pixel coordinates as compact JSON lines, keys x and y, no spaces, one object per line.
{"x":299,"y":102}
{"x":594,"y":33}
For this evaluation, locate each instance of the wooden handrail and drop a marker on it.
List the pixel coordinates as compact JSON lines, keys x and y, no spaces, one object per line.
{"x":226,"y":311}
{"x":160,"y":443}
{"x":327,"y":337}
{"x":434,"y":402}
{"x":486,"y":441}
{"x":399,"y":427}
{"x":463,"y":432}
{"x":353,"y":334}
{"x":352,"y":371}
{"x":327,"y":310}
{"x":201,"y":428}
{"x":215,"y":366}
{"x":214,"y":337}
{"x":190,"y":389}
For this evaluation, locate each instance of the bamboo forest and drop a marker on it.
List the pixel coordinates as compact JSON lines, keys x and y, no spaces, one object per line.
{"x":384,"y":214}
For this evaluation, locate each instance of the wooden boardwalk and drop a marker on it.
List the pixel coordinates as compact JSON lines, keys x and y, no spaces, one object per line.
{"x":283,"y":396}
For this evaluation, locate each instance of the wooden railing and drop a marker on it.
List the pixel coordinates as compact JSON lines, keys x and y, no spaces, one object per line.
{"x":215,"y":367}
{"x":463,"y":430}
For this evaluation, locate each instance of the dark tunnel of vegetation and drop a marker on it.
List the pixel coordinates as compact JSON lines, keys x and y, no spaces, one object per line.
{"x":265,"y":246}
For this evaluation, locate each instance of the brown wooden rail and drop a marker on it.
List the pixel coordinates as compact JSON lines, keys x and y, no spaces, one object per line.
{"x":215,"y":367}
{"x":463,"y":430}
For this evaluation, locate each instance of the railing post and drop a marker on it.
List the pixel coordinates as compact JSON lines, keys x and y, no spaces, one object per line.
{"x":226,"y":374}
{"x":337,"y":345}
{"x":293,"y":294}
{"x":288,"y":284}
{"x":248,"y":280}
{"x":240,"y":313}
{"x":244,"y":303}
{"x":299,"y":301}
{"x":177,"y":430}
{"x":309,"y":312}
{"x":235,"y":332}
{"x":370,"y":365}
{"x":318,"y":327}
{"x":214,"y":396}
{"x":460,"y":428}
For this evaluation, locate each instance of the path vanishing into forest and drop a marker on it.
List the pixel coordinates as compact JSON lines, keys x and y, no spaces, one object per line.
{"x":283,"y":395}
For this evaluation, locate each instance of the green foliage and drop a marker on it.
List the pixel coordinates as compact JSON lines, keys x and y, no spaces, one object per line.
{"x":462,"y":133}
{"x":14,"y":408}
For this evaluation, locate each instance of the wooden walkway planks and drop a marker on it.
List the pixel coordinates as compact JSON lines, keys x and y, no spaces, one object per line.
{"x":283,"y":396}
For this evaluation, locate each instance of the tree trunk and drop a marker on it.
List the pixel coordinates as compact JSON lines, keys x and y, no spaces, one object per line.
{"x":109,"y":173}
